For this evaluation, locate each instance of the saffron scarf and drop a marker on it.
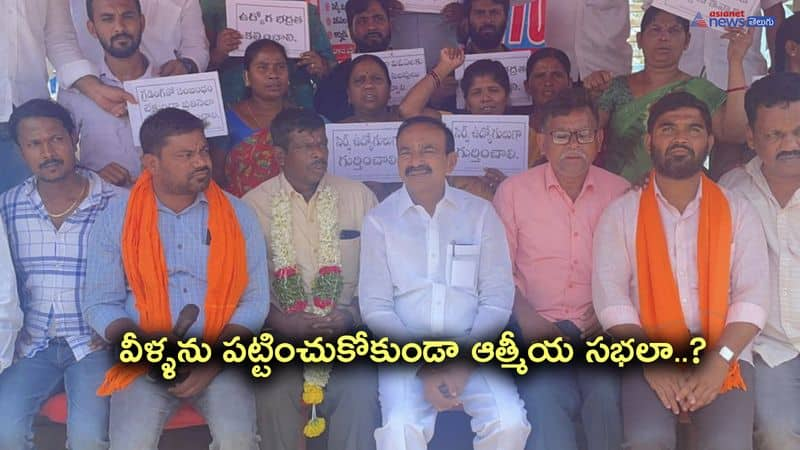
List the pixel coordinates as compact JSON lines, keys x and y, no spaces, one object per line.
{"x":146,"y":270}
{"x":659,"y":301}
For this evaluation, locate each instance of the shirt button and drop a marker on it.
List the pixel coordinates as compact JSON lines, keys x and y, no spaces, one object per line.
{"x":683,"y":300}
{"x":180,"y":246}
{"x":185,"y":291}
{"x":575,"y":234}
{"x":570,"y":286}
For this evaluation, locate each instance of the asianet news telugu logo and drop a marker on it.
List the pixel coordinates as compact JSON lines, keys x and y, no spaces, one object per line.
{"x":722,"y":19}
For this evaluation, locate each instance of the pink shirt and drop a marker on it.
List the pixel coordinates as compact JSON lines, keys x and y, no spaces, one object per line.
{"x":614,"y":280}
{"x":550,"y":238}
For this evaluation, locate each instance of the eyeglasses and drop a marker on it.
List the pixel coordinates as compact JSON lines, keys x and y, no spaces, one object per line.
{"x":563,"y":137}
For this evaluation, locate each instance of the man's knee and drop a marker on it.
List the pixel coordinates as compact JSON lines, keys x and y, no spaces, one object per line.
{"x":777,"y":433}
{"x":399,"y":427}
{"x":650,"y":438}
{"x":232,"y":435}
{"x":511,"y":425}
{"x":15,"y":435}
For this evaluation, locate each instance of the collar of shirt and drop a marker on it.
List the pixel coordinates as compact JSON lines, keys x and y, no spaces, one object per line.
{"x":98,"y":190}
{"x":691,"y":208}
{"x":551,"y":181}
{"x":286,"y":186}
{"x":753,"y":168}
{"x":406,"y":203}
{"x":201,"y":198}
{"x":108,"y":77}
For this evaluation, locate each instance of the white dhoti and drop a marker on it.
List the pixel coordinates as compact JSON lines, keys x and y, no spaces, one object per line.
{"x":490,"y":398}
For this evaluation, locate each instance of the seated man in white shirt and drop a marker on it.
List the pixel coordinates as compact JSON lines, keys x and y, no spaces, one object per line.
{"x":678,"y":259}
{"x":771,"y":183}
{"x":106,"y":141}
{"x":412,"y":287}
{"x":175,"y":38}
{"x":10,"y":314}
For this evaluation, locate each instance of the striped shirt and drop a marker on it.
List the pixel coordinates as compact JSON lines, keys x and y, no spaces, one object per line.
{"x":51,"y":264}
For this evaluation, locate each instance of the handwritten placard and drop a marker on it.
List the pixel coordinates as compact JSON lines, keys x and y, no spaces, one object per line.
{"x":406,"y":68}
{"x":499,"y":142}
{"x":700,"y":11}
{"x":334,"y":19}
{"x":514,"y":62}
{"x":363,"y":151}
{"x":283,"y":22}
{"x":425,"y":6}
{"x":198,"y":93}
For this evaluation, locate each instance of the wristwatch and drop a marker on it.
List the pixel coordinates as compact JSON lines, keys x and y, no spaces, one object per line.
{"x":726,"y":353}
{"x":189,"y":65}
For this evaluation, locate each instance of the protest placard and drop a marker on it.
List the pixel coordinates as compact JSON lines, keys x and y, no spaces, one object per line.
{"x":284,"y":22}
{"x":334,"y":19}
{"x":197,"y":93}
{"x":713,"y":14}
{"x":482,"y":142}
{"x":514,"y":62}
{"x":425,"y":6}
{"x":363,"y":151}
{"x":406,"y":68}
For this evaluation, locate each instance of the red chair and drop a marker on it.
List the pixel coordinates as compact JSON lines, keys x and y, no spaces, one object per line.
{"x":55,"y":409}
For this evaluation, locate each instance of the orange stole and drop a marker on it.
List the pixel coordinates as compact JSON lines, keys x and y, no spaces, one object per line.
{"x":659,"y":301}
{"x":146,"y":270}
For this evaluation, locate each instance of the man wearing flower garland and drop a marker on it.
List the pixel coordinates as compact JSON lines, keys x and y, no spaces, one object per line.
{"x":187,"y":242}
{"x":311,"y":220}
{"x":435,"y":264}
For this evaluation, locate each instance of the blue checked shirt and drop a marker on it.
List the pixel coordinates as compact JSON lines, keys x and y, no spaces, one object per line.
{"x":51,"y":264}
{"x":185,"y":240}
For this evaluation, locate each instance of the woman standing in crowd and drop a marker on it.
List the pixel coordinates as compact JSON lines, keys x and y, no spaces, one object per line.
{"x":304,"y":72}
{"x":547,"y":74}
{"x":368,"y":91}
{"x":248,"y":156}
{"x":486,"y":89}
{"x":787,"y":46}
{"x":624,"y":104}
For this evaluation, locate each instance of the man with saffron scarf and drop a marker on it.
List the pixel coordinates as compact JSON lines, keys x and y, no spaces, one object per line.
{"x":176,"y":240}
{"x":678,"y":259}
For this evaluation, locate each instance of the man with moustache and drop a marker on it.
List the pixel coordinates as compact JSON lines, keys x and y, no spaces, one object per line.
{"x":370,"y":29}
{"x":48,"y":219}
{"x":351,"y":395}
{"x":486,"y":25}
{"x":177,"y":239}
{"x":678,"y":259}
{"x":549,"y":213}
{"x":106,"y":140}
{"x":435,"y":265}
{"x":771,"y":182}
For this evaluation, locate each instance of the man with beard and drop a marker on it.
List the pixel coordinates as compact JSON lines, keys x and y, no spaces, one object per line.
{"x":486,"y":25}
{"x":435,"y":265}
{"x":551,"y":254}
{"x":106,"y":140}
{"x":49,"y":218}
{"x":314,"y":198}
{"x":371,"y":30}
{"x":771,"y":182}
{"x":683,"y":258}
{"x":177,"y":239}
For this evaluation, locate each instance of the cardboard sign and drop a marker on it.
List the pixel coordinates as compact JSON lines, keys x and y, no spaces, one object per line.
{"x":198,"y":93}
{"x":499,"y":142}
{"x":406,"y":68}
{"x":284,"y":22}
{"x":425,"y":6}
{"x":363,"y":151}
{"x":526,"y":25}
{"x":334,"y":19}
{"x":514,"y":62}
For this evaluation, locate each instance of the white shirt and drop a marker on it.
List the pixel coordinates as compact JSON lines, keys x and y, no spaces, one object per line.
{"x":780,"y":340}
{"x":615,"y":286}
{"x":31,"y":31}
{"x":169,"y":25}
{"x":10,"y":313}
{"x":707,"y":50}
{"x":407,"y":283}
{"x":104,"y":138}
{"x":593,"y":33}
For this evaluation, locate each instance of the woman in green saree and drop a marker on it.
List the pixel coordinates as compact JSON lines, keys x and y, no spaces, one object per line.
{"x":625,"y":102}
